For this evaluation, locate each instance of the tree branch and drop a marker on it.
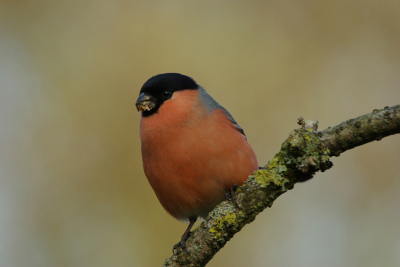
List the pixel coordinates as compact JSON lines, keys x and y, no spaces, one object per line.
{"x":302,"y":154}
{"x":364,"y":129}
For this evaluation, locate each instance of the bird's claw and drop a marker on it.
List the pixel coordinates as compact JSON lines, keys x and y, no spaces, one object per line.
{"x":182,"y":244}
{"x":179,"y":244}
{"x":231,"y":193}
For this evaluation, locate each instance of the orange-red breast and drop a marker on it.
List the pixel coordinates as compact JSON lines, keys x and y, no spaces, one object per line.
{"x":193,"y":150}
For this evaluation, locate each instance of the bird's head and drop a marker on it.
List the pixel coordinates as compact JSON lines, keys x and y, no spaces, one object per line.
{"x":161,"y":88}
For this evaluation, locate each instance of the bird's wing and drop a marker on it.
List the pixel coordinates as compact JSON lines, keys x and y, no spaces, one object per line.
{"x":211,"y":105}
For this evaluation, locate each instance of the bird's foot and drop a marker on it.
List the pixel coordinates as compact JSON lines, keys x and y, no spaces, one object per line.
{"x":182,"y":243}
{"x":230,"y":194}
{"x":184,"y":237}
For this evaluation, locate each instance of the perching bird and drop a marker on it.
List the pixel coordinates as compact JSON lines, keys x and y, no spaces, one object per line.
{"x":193,"y":151}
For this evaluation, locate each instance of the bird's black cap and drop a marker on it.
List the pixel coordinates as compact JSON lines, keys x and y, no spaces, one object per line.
{"x":171,"y":82}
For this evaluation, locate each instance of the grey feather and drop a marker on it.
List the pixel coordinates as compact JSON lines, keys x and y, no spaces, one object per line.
{"x":211,"y":105}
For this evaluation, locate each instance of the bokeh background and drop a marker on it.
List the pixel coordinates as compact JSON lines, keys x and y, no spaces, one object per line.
{"x":72,"y":188}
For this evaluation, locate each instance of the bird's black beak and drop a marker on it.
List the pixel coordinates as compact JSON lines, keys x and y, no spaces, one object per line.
{"x":145,"y":102}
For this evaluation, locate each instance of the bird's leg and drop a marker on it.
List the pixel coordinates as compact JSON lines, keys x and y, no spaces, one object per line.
{"x":185,"y":236}
{"x":231,"y":192}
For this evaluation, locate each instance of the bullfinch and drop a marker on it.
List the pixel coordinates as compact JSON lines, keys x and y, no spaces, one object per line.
{"x":194,"y":152}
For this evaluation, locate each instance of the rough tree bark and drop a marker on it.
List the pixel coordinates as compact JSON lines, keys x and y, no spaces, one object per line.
{"x":302,"y":154}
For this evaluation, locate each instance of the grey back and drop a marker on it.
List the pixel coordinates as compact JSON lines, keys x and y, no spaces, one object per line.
{"x":211,"y":105}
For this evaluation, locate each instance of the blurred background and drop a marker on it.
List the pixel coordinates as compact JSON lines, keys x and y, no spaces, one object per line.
{"x":72,"y":188}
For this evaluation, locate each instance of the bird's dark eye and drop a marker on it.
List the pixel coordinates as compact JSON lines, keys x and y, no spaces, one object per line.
{"x":166,"y":94}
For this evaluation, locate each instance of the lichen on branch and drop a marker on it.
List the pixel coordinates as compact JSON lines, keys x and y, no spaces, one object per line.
{"x":303,"y":153}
